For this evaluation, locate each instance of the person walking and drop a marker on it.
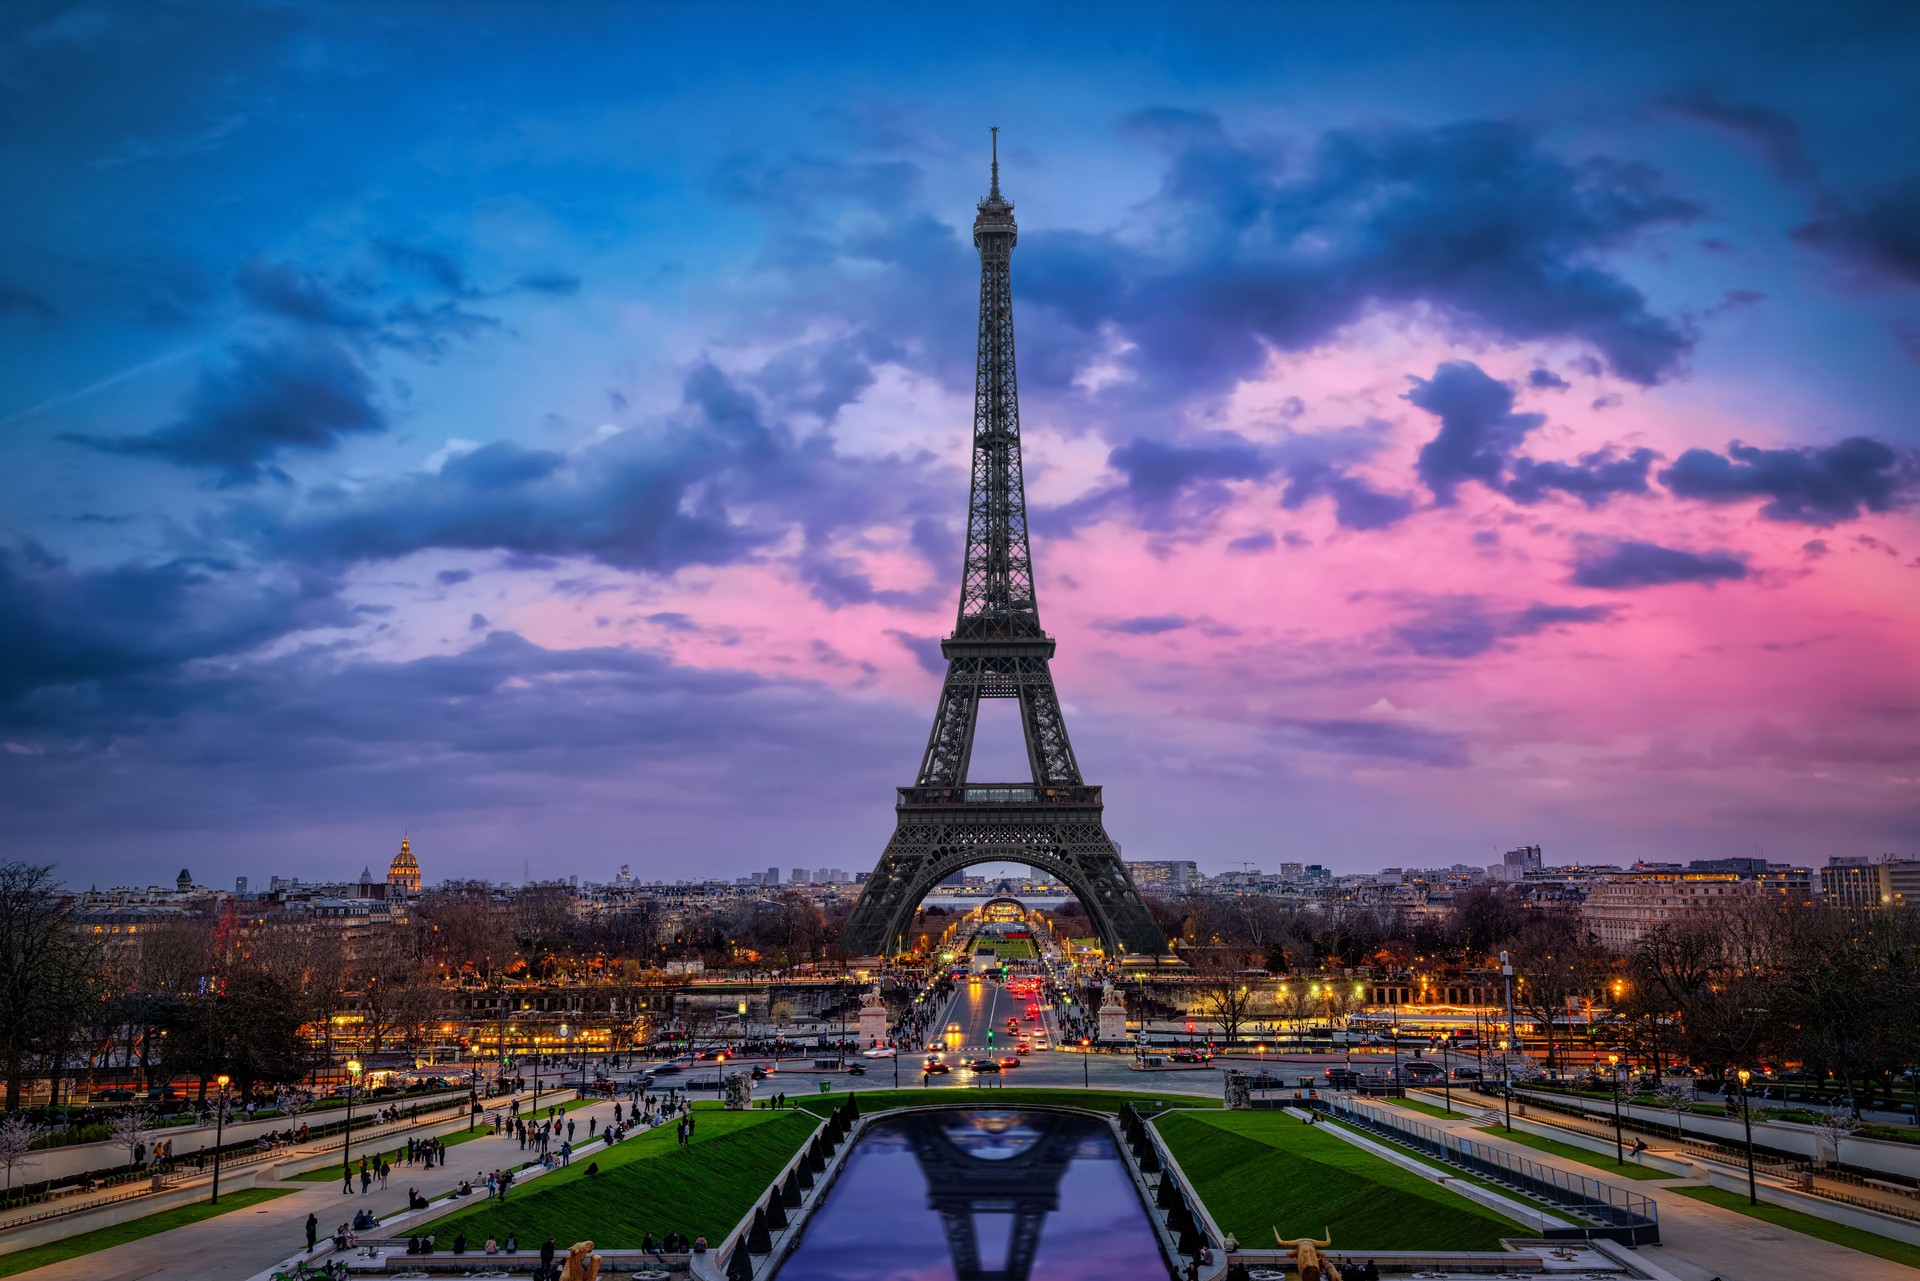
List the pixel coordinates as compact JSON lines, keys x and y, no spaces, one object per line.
{"x":313,"y":1232}
{"x":546,"y":1256}
{"x":346,"y":1182}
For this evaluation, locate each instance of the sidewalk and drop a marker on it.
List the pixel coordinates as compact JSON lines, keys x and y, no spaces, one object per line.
{"x":1698,"y":1241}
{"x":79,"y":1158}
{"x":250,"y":1242}
{"x":1892,"y":1202}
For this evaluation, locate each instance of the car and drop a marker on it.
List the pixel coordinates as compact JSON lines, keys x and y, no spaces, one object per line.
{"x":879,"y":1052}
{"x":936,"y":1069}
{"x":114,"y":1096}
{"x":1009,"y":1062}
{"x":984,"y":1066}
{"x":667,"y":1069}
{"x":1343,"y":1078}
{"x":854,"y":1069}
{"x":760,"y":1072}
{"x":1023,"y":1048}
{"x":1421,"y":1070}
{"x":1190,"y":1056}
{"x":933,"y":1047}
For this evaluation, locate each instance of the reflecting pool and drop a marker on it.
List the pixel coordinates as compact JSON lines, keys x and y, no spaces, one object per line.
{"x":982,"y":1194}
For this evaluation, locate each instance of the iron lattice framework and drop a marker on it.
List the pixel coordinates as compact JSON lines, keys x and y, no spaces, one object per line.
{"x":998,"y":650}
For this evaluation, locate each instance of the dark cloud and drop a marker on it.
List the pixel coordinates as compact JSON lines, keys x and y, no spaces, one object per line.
{"x":265,"y":400}
{"x":68,"y":627}
{"x":716,"y":482}
{"x":281,"y":289}
{"x":1627,"y":564}
{"x":1775,"y":133}
{"x":1480,"y":437}
{"x":452,"y":577}
{"x":1814,"y":548}
{"x":1547,"y":380}
{"x":1252,"y":544}
{"x":560,"y":283}
{"x":1467,"y":626}
{"x":1182,"y":486}
{"x":1479,"y":430}
{"x":441,"y":270}
{"x":1388,"y":739}
{"x":925,"y":650}
{"x":1145,"y":625}
{"x":1878,"y":233}
{"x":1811,"y":485}
{"x":1473,"y":220}
{"x":17,"y":300}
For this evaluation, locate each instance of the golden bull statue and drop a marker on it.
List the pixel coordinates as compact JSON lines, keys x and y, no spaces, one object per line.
{"x":1308,"y":1256}
{"x":582,"y":1263}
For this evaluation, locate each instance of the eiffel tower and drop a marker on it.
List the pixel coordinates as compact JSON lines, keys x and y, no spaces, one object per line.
{"x":946,"y":821}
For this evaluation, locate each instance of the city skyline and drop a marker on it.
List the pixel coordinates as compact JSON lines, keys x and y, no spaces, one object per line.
{"x":499,"y":434}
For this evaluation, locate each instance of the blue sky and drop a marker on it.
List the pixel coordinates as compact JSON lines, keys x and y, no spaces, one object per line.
{"x":542,"y":426}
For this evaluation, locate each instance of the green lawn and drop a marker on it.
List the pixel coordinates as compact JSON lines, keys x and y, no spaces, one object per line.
{"x":1432,"y":1109}
{"x":1604,"y":1164}
{"x":1261,"y":1171}
{"x":871,"y":1101}
{"x":40,"y":1256}
{"x":1780,"y":1216}
{"x":648,"y":1183}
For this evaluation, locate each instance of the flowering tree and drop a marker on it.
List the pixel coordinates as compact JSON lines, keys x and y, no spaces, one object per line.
{"x":16,"y":1143}
{"x":128,"y":1130}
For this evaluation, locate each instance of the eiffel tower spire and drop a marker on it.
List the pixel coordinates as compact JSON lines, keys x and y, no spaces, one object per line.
{"x":997,"y":649}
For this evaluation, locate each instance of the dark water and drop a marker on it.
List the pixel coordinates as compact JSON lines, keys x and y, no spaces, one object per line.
{"x":982,"y":1193}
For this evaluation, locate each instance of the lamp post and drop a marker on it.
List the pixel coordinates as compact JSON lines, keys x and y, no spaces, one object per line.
{"x":1746,"y":1120}
{"x":346,"y":1143}
{"x":1446,"y":1069}
{"x":1619,"y":1144}
{"x":1513,"y":1037}
{"x":1086,"y":1060}
{"x":1506,"y":1074}
{"x":219,"y":1125}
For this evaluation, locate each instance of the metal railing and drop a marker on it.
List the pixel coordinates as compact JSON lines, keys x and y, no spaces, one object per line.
{"x":1613,"y":1211}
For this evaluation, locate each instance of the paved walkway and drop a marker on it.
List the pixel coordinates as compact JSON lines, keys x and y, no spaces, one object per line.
{"x":1698,"y":1241}
{"x":59,"y":1163}
{"x":244,"y":1243}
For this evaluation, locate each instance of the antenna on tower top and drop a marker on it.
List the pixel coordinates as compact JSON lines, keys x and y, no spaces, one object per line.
{"x":996,"y":161}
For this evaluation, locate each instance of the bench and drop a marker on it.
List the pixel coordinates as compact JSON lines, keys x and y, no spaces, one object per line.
{"x":1886,"y":1185}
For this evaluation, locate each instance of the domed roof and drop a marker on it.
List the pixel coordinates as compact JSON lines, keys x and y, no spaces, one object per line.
{"x":404,"y":860}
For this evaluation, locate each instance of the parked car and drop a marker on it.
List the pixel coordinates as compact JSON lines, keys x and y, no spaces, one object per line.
{"x":114,"y":1096}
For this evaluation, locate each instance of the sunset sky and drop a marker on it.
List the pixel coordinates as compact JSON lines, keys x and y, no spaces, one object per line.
{"x":542,"y":428}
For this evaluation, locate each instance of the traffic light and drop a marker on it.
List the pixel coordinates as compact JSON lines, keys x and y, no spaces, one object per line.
{"x":989,"y":1036}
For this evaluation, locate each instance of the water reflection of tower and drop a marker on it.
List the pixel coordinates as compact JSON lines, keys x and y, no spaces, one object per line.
{"x":1006,"y":1163}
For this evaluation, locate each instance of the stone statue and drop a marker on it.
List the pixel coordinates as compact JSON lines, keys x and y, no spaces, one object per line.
{"x":1307,"y":1256}
{"x":737,"y":1089}
{"x":582,"y":1263}
{"x":1237,"y":1090}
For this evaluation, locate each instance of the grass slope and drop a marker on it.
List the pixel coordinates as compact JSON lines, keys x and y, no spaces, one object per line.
{"x":1257,"y":1171}
{"x":1838,"y":1233}
{"x":41,"y":1256}
{"x":1010,"y":1097}
{"x":647,"y":1184}
{"x":1603,"y":1165}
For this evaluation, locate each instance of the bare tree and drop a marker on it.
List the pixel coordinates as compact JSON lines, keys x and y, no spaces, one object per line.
{"x":45,"y":969}
{"x":1674,"y":1097}
{"x":1227,"y":1004}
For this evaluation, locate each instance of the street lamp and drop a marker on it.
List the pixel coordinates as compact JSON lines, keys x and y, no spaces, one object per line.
{"x":1506,"y":1073}
{"x":1619,"y":1144}
{"x":219,"y":1125}
{"x":1086,"y":1059}
{"x":1746,"y":1119}
{"x":346,"y":1144}
{"x":1446,"y":1068}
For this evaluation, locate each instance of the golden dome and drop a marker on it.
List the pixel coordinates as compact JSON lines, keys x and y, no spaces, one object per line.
{"x":404,"y":871}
